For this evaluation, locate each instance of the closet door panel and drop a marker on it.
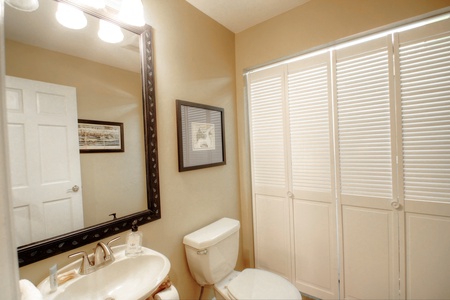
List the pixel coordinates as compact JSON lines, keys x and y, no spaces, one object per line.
{"x":369,"y":252}
{"x":424,"y":123}
{"x":312,"y":173}
{"x":270,"y":179}
{"x":427,"y":271}
{"x":272,"y":235}
{"x":366,"y":166}
{"x":365,"y":124}
{"x":315,"y":249}
{"x":268,"y":137}
{"x":310,"y":127}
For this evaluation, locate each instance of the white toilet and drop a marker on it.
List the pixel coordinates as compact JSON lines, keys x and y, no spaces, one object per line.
{"x":212,"y":253}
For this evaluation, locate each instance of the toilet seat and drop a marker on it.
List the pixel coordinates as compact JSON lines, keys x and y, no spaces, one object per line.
{"x":260,"y":284}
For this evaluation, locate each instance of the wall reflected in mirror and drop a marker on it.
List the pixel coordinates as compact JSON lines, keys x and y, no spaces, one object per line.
{"x":108,"y":85}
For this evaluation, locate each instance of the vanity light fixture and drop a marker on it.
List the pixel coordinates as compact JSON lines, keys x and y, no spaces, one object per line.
{"x":97,"y":4}
{"x":132,"y":12}
{"x":109,"y":32}
{"x":70,"y":17}
{"x":24,"y":5}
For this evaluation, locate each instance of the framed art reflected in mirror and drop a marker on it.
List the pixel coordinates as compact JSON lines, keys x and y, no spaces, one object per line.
{"x":100,"y":136}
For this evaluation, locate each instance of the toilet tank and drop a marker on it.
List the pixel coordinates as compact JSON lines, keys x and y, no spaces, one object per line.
{"x":212,"y":251}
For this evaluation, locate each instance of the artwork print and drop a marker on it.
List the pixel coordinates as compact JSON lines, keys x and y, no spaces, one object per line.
{"x":203,"y":136}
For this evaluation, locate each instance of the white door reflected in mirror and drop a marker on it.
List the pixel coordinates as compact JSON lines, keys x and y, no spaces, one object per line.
{"x":45,"y":161}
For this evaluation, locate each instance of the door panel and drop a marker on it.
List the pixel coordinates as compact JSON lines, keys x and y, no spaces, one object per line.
{"x":315,"y":244}
{"x":427,"y":263}
{"x":53,"y":170}
{"x":52,"y":215}
{"x":369,"y":251}
{"x":270,"y":181}
{"x":272,"y":235}
{"x":312,"y":176}
{"x":18,"y":162}
{"x":366,"y":166}
{"x":45,"y":161}
{"x":423,"y":87}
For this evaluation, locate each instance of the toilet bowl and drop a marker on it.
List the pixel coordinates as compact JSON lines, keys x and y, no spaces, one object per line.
{"x":255,"y":284}
{"x":212,"y":254}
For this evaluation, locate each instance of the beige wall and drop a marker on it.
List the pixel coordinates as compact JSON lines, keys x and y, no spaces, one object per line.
{"x":194,"y":61}
{"x":103,"y":93}
{"x":316,"y":23}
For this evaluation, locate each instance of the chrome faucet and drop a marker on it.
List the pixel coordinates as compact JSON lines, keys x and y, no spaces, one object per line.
{"x":102,"y":256}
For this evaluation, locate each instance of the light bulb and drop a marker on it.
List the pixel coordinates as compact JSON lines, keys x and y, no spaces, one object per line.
{"x":109,"y":32}
{"x":25,"y":5}
{"x":70,"y":16}
{"x":132,"y":12}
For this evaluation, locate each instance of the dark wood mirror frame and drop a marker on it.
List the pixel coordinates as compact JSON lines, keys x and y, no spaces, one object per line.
{"x":37,"y":251}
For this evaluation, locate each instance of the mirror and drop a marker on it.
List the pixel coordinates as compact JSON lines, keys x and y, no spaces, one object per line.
{"x":98,"y":224}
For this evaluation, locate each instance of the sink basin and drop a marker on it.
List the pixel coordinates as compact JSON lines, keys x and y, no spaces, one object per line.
{"x":126,"y":278}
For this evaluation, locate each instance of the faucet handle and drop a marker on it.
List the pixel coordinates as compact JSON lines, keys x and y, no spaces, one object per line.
{"x":81,"y":253}
{"x":112,"y":241}
{"x":86,"y":266}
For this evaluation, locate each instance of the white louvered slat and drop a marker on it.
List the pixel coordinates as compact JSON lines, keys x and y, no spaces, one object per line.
{"x":364,"y":130}
{"x":308,"y":97}
{"x":425,"y":102}
{"x":266,"y":104}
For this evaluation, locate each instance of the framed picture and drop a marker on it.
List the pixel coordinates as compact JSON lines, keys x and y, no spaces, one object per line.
{"x":100,"y":136}
{"x":201,"y":137}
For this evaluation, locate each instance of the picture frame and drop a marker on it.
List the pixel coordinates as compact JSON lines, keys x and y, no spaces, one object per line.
{"x":100,"y":136}
{"x":201,"y":136}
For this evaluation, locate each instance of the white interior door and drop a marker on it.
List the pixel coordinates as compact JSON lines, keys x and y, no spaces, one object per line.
{"x":44,"y":159}
{"x":271,"y":204}
{"x":312,"y":173}
{"x":423,"y":83}
{"x":369,"y":208}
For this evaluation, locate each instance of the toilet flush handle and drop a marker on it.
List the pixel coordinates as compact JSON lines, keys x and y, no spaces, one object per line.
{"x":202,"y":252}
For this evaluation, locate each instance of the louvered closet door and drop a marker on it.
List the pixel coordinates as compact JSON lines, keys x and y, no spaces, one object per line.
{"x":369,"y":209}
{"x":424,"y":90}
{"x":314,"y":209}
{"x":271,"y":214}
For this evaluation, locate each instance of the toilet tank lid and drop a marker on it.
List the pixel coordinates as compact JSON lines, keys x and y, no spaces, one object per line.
{"x":211,"y":234}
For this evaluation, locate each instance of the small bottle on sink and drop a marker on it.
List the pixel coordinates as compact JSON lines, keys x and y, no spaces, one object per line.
{"x":134,"y":241}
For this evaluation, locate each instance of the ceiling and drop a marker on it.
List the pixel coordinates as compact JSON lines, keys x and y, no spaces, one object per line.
{"x":41,"y":29}
{"x":238,"y":15}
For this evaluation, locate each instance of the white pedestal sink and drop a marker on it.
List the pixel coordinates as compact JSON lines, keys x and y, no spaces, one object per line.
{"x":126,"y":278}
